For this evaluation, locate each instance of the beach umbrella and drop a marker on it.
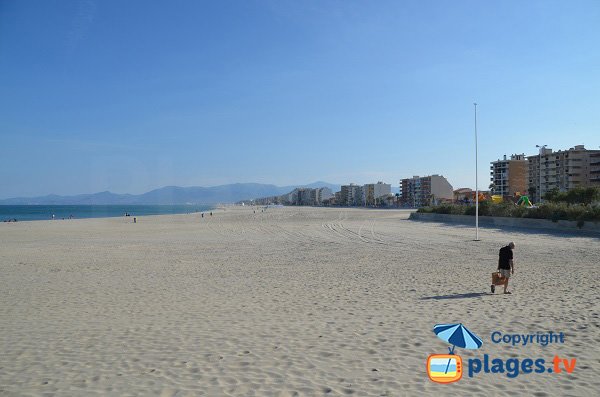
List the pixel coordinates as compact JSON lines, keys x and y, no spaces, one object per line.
{"x":457,"y":335}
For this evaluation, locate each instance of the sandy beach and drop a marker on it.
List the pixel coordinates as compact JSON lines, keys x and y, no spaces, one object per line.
{"x":289,"y":302}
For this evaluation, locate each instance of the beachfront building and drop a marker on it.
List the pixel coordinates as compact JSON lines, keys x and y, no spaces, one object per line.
{"x":374,"y":194}
{"x":595,"y":168}
{"x":427,"y":190}
{"x":336,"y":199}
{"x":301,"y":196}
{"x":351,"y":195}
{"x":463,"y":194}
{"x":562,"y":170}
{"x":319,"y":195}
{"x":510,"y":176}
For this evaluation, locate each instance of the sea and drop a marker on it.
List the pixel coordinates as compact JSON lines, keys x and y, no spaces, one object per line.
{"x":45,"y":212}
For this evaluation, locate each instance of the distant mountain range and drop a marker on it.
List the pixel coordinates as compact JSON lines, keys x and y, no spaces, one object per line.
{"x":170,"y":195}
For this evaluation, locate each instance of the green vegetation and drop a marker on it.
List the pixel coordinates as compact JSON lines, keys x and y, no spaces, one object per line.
{"x":574,"y":196}
{"x":580,"y":205}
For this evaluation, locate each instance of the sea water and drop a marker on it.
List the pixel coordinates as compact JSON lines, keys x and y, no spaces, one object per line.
{"x":41,"y":212}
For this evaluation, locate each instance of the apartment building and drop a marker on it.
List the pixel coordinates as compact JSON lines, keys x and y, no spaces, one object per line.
{"x":510,"y":176}
{"x":321,"y":194}
{"x":595,"y":168}
{"x":337,"y":198}
{"x":300,"y":196}
{"x":562,"y":170}
{"x":351,"y":195}
{"x":421,"y":191}
{"x":374,"y":193}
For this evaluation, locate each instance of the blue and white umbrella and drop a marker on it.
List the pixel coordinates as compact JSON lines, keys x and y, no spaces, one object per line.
{"x":457,"y":335}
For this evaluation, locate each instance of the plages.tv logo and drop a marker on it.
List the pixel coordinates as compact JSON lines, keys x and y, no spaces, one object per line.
{"x":448,"y":368}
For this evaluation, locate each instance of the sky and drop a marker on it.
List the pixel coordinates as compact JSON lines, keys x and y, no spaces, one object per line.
{"x":128,"y":96}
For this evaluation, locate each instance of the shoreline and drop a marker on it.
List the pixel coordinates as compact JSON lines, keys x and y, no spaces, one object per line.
{"x":34,"y":213}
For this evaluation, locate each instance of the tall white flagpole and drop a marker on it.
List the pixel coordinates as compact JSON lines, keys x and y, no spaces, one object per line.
{"x":476,"y":182}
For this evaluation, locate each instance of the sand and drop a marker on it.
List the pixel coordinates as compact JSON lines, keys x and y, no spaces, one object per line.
{"x":291,"y":302}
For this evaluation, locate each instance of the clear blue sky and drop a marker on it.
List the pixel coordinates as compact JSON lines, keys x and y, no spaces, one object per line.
{"x":128,"y":96}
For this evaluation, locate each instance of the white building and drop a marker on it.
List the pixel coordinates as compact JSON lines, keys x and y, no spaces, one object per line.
{"x":373,"y":193}
{"x":322,"y":194}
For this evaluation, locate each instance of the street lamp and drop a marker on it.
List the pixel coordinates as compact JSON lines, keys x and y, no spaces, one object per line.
{"x":476,"y":182}
{"x":542,"y":147}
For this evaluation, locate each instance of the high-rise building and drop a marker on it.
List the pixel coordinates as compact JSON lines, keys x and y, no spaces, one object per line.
{"x":510,"y":176}
{"x":421,"y":191}
{"x":562,"y":170}
{"x":337,"y":198}
{"x":595,"y":168}
{"x":373,"y":193}
{"x":301,"y":196}
{"x":321,"y":194}
{"x":351,"y":195}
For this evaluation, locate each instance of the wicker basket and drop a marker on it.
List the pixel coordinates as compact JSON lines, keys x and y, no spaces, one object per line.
{"x":497,"y":279}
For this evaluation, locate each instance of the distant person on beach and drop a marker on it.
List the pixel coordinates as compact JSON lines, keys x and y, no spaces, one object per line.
{"x":210,"y":213}
{"x":506,"y":264}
